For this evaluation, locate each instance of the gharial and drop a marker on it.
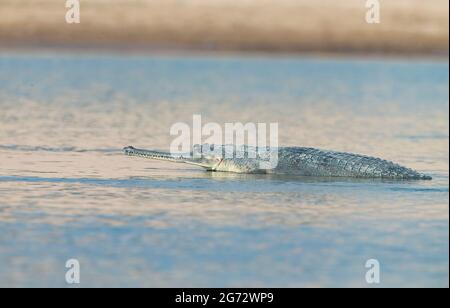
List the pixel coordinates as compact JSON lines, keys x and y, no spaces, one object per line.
{"x":300,"y":161}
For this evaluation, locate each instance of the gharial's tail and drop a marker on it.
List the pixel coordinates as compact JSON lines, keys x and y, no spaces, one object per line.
{"x":329,"y":163}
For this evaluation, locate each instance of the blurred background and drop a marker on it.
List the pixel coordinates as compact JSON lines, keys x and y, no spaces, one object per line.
{"x":290,"y":26}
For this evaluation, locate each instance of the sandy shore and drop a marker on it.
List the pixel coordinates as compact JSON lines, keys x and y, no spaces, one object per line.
{"x":293,"y":26}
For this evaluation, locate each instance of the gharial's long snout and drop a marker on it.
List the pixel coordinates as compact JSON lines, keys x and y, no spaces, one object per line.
{"x":132,"y":151}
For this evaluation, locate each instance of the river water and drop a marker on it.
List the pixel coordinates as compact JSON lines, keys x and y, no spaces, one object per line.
{"x":67,"y":192}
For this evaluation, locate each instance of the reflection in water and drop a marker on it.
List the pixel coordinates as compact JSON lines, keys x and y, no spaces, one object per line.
{"x":68,"y":192}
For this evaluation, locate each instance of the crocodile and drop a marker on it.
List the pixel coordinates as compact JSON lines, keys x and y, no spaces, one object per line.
{"x":302,"y":161}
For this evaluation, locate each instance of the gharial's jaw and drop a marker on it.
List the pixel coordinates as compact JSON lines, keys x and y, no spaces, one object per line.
{"x":158,"y":155}
{"x":208,"y":164}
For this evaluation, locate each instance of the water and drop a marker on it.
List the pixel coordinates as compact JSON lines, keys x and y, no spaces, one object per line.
{"x":68,"y":192}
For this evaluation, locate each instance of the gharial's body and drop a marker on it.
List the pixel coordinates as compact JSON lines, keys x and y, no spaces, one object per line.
{"x":290,"y":160}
